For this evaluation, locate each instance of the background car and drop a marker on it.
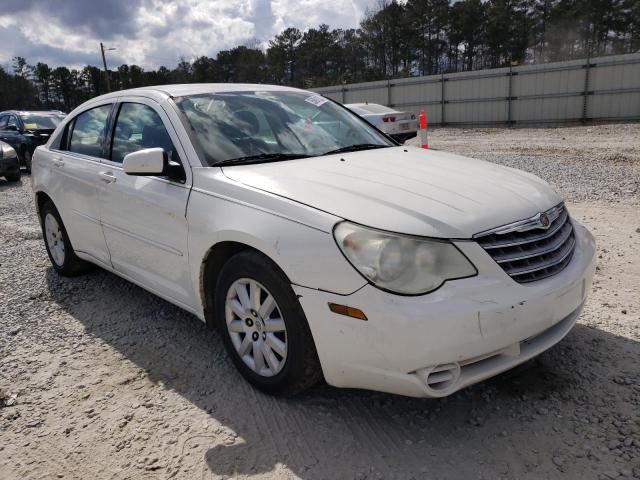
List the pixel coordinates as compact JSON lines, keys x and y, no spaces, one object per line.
{"x":25,"y":130}
{"x":9,"y":163}
{"x":400,"y":126}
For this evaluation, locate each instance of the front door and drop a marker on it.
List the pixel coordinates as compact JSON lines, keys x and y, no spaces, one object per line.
{"x":143,"y":218}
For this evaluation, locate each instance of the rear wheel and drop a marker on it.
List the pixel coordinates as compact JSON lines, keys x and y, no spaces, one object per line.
{"x":263,"y":326}
{"x":61,"y":253}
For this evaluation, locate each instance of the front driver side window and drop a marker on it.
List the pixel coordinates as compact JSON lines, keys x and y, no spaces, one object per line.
{"x":88,"y":134}
{"x":137,"y":127}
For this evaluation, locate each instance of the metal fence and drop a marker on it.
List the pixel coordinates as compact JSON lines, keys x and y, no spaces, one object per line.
{"x":596,"y":89}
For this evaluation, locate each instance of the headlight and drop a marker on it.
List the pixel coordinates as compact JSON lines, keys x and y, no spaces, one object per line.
{"x":401,"y":263}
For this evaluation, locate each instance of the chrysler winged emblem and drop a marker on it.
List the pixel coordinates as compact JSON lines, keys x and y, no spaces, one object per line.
{"x":544,"y":220}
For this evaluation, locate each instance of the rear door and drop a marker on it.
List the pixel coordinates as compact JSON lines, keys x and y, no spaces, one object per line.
{"x":73,"y":168}
{"x":143,"y":218}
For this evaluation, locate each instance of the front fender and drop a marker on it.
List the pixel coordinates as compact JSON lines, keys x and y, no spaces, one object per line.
{"x":308,"y":256}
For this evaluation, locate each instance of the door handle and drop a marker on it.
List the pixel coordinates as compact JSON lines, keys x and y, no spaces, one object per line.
{"x":58,"y":162}
{"x":107,"y":177}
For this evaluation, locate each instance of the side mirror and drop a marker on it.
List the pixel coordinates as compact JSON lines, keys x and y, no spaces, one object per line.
{"x":147,"y":162}
{"x":12,"y":127}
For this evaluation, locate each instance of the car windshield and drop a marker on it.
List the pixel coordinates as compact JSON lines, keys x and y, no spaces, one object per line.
{"x":256,"y":126}
{"x":41,"y":122}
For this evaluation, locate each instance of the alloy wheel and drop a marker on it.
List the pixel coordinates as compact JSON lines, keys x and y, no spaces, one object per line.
{"x":256,"y":327}
{"x":53,"y":234}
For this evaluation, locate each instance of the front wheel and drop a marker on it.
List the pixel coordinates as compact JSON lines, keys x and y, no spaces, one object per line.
{"x":263,"y":326}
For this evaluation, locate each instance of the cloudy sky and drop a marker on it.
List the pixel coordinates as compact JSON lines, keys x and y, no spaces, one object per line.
{"x":151,"y":33}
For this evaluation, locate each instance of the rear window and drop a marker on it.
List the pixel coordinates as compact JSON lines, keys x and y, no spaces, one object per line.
{"x":41,"y":122}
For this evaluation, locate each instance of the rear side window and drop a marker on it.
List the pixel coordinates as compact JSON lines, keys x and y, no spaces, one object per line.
{"x":3,"y":121}
{"x":88,"y":133}
{"x":138,"y":126}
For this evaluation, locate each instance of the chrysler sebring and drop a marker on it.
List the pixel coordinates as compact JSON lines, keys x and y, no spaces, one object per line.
{"x":318,"y":246}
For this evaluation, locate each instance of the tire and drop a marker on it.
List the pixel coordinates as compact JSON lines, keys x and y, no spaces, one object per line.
{"x":64,"y":259}
{"x":27,"y":160}
{"x":299,"y":368}
{"x":14,"y":177}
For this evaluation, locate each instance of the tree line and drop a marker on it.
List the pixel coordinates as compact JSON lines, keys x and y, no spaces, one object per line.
{"x":419,"y":37}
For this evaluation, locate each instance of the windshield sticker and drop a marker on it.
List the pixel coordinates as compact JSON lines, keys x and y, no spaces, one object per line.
{"x":316,"y":100}
{"x":30,"y":126}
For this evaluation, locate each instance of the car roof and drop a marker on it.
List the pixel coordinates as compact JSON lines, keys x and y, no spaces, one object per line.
{"x":29,"y":112}
{"x":179,"y":90}
{"x":160,"y":93}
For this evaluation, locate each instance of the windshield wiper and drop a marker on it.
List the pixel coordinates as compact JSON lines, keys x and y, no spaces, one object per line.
{"x":261,"y":158}
{"x":356,"y":147}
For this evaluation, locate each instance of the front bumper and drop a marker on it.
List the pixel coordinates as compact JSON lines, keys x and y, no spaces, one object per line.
{"x":10,"y":165}
{"x":466,"y":331}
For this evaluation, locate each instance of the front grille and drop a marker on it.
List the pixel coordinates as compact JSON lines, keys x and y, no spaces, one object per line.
{"x":527,"y":250}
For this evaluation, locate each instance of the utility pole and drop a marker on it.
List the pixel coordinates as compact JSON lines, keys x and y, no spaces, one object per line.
{"x":587,"y":74}
{"x":104,"y":62}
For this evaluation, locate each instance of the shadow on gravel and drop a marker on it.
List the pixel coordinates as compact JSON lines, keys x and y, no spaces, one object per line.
{"x":4,"y":185}
{"x":333,"y":433}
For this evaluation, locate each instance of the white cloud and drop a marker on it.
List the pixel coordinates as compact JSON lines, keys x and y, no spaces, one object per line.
{"x":151,"y":33}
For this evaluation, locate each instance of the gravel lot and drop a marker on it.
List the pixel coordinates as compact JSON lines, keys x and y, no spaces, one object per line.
{"x":101,"y":380}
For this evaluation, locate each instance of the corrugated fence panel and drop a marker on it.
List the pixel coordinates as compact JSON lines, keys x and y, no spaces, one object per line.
{"x":606,"y":88}
{"x":614,"y":89}
{"x":414,"y":95}
{"x":377,"y":94}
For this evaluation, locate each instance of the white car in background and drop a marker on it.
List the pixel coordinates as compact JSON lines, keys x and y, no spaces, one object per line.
{"x":318,"y":247}
{"x":401,"y":126}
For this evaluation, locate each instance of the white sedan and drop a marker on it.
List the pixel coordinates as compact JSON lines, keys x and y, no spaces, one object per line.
{"x":400,"y":126}
{"x":317,"y":246}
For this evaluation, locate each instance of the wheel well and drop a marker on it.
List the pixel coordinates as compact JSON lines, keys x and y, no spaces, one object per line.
{"x":41,"y":198}
{"x":212,"y":265}
{"x":210,"y":272}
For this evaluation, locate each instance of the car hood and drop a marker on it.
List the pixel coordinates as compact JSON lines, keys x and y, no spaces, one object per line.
{"x":405,"y":189}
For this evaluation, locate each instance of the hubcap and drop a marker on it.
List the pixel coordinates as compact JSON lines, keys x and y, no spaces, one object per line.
{"x":256,"y":327}
{"x":53,"y":234}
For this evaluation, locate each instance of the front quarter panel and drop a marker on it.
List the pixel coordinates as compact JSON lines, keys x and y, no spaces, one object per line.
{"x":297,"y":238}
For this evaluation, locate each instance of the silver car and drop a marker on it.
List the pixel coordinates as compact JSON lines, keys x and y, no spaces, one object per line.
{"x":401,"y":126}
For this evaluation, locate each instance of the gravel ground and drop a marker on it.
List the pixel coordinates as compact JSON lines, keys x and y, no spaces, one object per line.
{"x":584,"y":163}
{"x":101,"y":380}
